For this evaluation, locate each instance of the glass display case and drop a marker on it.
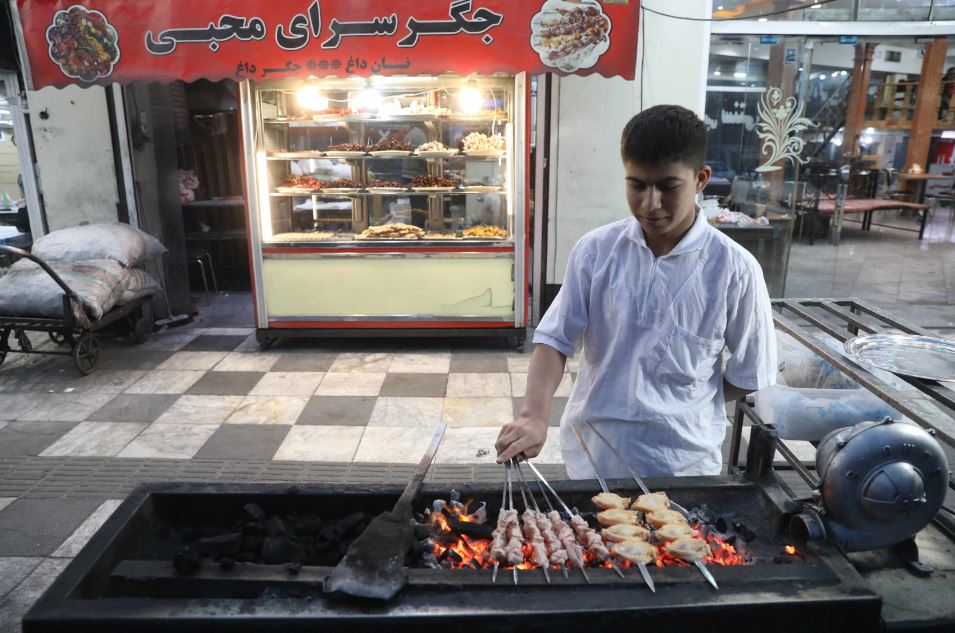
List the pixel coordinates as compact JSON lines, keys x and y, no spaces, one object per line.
{"x":394,"y":202}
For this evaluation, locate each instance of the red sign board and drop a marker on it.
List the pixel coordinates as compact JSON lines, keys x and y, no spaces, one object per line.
{"x":104,"y":41}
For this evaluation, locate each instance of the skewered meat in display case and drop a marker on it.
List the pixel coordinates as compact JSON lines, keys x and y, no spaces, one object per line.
{"x":390,"y":205}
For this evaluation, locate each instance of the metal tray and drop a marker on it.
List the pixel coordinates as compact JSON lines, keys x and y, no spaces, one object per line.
{"x":909,"y":355}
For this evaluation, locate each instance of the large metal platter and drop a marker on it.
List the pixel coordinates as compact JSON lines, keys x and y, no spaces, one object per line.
{"x":909,"y":355}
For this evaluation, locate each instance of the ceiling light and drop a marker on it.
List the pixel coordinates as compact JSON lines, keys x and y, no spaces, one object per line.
{"x":310,"y":98}
{"x":762,"y":20}
{"x":844,"y":73}
{"x":719,"y":8}
{"x":368,"y":99}
{"x":739,"y":74}
{"x":470,"y":98}
{"x":717,"y":73}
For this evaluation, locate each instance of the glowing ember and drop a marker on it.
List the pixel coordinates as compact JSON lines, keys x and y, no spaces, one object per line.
{"x":474,"y":553}
{"x":790,"y":550}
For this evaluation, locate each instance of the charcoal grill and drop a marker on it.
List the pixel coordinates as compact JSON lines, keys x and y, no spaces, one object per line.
{"x":124,"y":579}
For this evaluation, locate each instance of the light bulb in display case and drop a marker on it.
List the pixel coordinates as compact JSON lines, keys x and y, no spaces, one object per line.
{"x":311,"y":98}
{"x":368,"y":99}
{"x":470,"y":98}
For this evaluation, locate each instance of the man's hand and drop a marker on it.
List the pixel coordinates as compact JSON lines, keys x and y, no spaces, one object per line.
{"x":525,"y":435}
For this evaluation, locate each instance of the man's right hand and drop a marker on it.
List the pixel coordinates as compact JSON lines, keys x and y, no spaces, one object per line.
{"x":524,"y":435}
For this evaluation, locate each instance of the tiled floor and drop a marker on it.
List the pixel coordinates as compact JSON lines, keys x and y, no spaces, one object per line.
{"x":203,"y":401}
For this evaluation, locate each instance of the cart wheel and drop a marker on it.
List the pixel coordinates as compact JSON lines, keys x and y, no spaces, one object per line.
{"x":141,"y":331}
{"x":86,"y":353}
{"x":58,"y":337}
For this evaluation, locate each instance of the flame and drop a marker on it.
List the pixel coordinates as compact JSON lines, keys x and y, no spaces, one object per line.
{"x":790,"y":550}
{"x":472,"y":553}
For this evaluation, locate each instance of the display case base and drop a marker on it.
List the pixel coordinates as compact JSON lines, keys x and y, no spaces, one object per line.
{"x":514,"y":336}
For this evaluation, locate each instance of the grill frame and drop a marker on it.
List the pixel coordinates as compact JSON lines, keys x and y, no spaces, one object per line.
{"x":824,"y":594}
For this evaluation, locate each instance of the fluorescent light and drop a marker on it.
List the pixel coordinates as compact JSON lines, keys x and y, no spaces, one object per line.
{"x":844,"y":73}
{"x":821,"y":76}
{"x":870,"y":130}
{"x":948,"y":134}
{"x":739,"y":74}
{"x":719,"y":8}
{"x":717,"y":73}
{"x":368,"y":100}
{"x":815,"y":6}
{"x":762,"y":20}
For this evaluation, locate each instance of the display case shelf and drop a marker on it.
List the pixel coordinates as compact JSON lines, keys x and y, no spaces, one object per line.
{"x":286,"y":156}
{"x":403,"y":192}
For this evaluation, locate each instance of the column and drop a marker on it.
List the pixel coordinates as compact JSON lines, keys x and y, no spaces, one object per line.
{"x":858,"y":95}
{"x":926,"y":103}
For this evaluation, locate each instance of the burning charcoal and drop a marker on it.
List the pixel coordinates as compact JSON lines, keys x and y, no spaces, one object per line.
{"x":293,"y":568}
{"x":747,"y":534}
{"x":345,"y":525}
{"x":186,"y":562}
{"x":275,"y":527}
{"x":223,"y":545}
{"x":254,"y":512}
{"x":475,"y":530}
{"x":226,"y":563}
{"x":730,"y":540}
{"x":309,"y":526}
{"x":275,"y":550}
{"x":297,"y":553}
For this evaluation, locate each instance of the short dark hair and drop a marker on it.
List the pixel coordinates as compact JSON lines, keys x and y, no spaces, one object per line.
{"x":665,"y":134}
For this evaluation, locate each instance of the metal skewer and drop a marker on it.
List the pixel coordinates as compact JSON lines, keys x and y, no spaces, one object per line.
{"x":578,"y":559}
{"x":673,"y":504}
{"x":520,"y":473}
{"x":497,"y":564}
{"x":603,"y":487}
{"x":706,"y":573}
{"x":528,"y":508}
{"x":510,"y":503}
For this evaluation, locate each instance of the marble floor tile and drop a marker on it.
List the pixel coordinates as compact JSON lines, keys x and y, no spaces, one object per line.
{"x":305,"y":361}
{"x":72,"y":546}
{"x":169,"y":441}
{"x":268,"y":410}
{"x":67,"y":407}
{"x":421,"y":385}
{"x":133,"y":408}
{"x":16,"y":404}
{"x":421,"y":364}
{"x":200,"y":410}
{"x":250,"y":344}
{"x":492,"y":412}
{"x":164,"y":381}
{"x":226,"y":383}
{"x":395,"y":445}
{"x":298,"y":383}
{"x":479,"y":385}
{"x":320,"y":444}
{"x":168,"y":342}
{"x":111,"y":381}
{"x":4,"y":502}
{"x":196,"y":361}
{"x":13,"y":571}
{"x":519,"y":386}
{"x":407,"y":412}
{"x":350,"y":384}
{"x":230,"y":331}
{"x":19,"y":601}
{"x":247,"y":361}
{"x":361,"y":363}
{"x":518,"y":364}
{"x":338,"y":410}
{"x":95,"y":439}
{"x":472,"y":362}
{"x":467,"y":446}
{"x":244,"y":442}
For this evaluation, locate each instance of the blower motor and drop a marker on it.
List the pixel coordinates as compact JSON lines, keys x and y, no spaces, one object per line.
{"x":880,"y":483}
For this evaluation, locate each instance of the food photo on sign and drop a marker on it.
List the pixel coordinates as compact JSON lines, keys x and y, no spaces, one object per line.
{"x":570,"y":34}
{"x":83,"y":43}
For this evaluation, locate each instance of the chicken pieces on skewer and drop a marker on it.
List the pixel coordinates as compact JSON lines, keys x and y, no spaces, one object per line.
{"x":674,"y":532}
{"x":608,"y":500}
{"x":625,"y":532}
{"x":689,"y":549}
{"x":636,"y":551}
{"x":651,"y":502}
{"x":659,"y":518}
{"x":615,"y":516}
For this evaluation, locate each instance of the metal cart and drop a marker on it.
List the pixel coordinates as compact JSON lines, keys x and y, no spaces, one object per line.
{"x":77,"y":331}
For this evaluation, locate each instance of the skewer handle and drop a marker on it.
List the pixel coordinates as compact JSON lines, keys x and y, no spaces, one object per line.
{"x":706,"y":574}
{"x":552,"y":491}
{"x":646,"y":576}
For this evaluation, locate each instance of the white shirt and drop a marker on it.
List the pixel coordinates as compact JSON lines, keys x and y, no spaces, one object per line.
{"x":652,"y":331}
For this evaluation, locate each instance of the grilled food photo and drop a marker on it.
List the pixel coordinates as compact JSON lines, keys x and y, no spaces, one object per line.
{"x":635,"y":551}
{"x":615,"y":516}
{"x":689,"y":549}
{"x":608,"y":500}
{"x":625,"y":532}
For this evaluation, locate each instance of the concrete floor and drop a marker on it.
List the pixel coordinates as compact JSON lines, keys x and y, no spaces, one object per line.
{"x":203,"y":402}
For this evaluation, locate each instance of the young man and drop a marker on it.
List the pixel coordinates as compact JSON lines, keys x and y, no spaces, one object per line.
{"x":654,"y":299}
